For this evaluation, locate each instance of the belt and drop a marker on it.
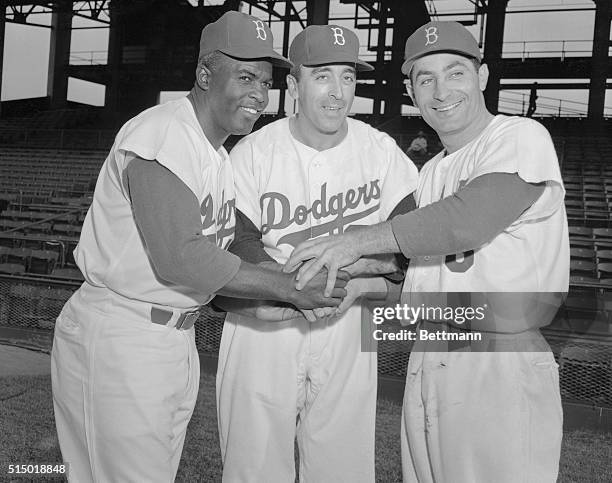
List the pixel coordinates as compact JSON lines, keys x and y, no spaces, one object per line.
{"x":184,"y":321}
{"x":111,"y":303}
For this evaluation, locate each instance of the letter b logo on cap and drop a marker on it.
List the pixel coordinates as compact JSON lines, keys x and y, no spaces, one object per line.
{"x":261,"y":31}
{"x":431,"y":35}
{"x":338,"y":36}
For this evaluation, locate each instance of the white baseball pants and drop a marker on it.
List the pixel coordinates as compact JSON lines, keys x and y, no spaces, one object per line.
{"x":482,"y":417}
{"x":279,"y":381}
{"x":124,"y":390}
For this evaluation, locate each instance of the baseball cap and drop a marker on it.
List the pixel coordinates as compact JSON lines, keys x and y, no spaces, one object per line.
{"x":326,"y":44}
{"x":439,"y":37}
{"x":242,"y":36}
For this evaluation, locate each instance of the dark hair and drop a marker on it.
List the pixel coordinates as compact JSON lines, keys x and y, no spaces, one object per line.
{"x":296,"y":71}
{"x":211,"y":61}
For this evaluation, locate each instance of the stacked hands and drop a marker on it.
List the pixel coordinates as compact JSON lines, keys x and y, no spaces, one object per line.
{"x":322,"y":289}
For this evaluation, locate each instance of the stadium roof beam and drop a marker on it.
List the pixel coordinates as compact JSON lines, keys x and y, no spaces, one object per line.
{"x":549,"y":85}
{"x":20,"y":11}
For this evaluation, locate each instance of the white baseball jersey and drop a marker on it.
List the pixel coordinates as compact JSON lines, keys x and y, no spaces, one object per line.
{"x":269,"y":374}
{"x":111,"y":252}
{"x":292,"y":192}
{"x":532,"y":254}
{"x":490,"y":416}
{"x":124,"y":388}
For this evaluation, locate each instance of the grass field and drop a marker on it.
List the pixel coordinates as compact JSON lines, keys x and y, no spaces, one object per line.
{"x":27,"y":435}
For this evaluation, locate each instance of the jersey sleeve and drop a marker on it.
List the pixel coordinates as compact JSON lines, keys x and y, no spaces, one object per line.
{"x":246,"y":178}
{"x":398,"y":179}
{"x":173,"y":143}
{"x":524,"y":146}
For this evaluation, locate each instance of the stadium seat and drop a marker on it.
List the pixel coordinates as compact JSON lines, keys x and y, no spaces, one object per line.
{"x":581,"y":232}
{"x":18,"y":255}
{"x":576,"y":204}
{"x":42,"y":261}
{"x":604,"y":273}
{"x":603,"y":256}
{"x":582,"y":272}
{"x":603,"y":237}
{"x":68,"y":273}
{"x":12,"y":268}
{"x":582,"y":254}
{"x":582,"y":310}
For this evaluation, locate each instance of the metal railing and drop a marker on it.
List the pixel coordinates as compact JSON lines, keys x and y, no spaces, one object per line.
{"x":58,"y":138}
{"x":88,"y":57}
{"x":29,"y":302}
{"x":516,"y":102}
{"x":547,"y":48}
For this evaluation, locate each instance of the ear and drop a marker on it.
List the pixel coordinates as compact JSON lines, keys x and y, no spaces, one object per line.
{"x":483,"y":76}
{"x":203,"y":77}
{"x":410,"y":92}
{"x":292,"y":86}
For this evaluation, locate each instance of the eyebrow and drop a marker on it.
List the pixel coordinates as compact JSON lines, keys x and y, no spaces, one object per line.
{"x":251,"y":73}
{"x":247,"y":71}
{"x":450,"y":66}
{"x":325,"y":68}
{"x":318,"y":70}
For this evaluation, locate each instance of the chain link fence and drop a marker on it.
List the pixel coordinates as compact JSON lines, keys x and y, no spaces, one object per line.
{"x":585,"y":365}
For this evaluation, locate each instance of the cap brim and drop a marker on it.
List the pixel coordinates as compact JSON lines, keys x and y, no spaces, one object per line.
{"x":248,"y":53}
{"x":407,"y":65}
{"x":362,"y":66}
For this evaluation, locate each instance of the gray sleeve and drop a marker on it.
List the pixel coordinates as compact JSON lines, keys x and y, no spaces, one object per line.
{"x":168,"y":218}
{"x":471,"y":217}
{"x":247,"y":242}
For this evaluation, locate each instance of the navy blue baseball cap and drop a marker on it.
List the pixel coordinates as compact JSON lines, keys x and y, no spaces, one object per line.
{"x":326,"y":44}
{"x":435,"y":37}
{"x":241,"y":36}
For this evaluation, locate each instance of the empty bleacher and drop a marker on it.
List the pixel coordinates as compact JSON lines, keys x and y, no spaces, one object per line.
{"x":44,"y":195}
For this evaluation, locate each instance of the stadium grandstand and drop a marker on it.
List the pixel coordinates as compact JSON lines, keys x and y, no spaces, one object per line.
{"x":51,"y":148}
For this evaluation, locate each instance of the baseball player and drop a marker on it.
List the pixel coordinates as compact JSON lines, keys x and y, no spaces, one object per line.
{"x":490,"y":219}
{"x":125,"y":370}
{"x":314,"y":173}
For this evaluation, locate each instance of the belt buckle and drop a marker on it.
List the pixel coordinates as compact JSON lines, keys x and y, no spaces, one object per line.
{"x":187,"y":320}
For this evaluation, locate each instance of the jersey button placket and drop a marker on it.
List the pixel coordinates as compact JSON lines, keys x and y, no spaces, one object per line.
{"x":315,"y":186}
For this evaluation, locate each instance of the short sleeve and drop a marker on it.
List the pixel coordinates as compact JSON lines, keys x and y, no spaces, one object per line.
{"x":242,"y":157}
{"x":399,"y":179}
{"x":174,"y":143}
{"x":524,"y":146}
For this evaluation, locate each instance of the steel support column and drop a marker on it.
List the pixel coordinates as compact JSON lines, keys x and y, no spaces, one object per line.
{"x":494,"y":42}
{"x":111,"y":95}
{"x":405,"y":22}
{"x":601,"y":46}
{"x":317,"y":12}
{"x":380,"y":61}
{"x":59,"y":54}
{"x":286,"y":30}
{"x":2,"y":33}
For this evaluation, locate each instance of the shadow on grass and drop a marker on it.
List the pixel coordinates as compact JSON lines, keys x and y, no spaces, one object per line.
{"x":27,"y":435}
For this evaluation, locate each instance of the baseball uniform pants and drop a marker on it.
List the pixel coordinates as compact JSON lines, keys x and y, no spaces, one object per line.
{"x":279,"y":381}
{"x":484,"y":416}
{"x":124,"y":389}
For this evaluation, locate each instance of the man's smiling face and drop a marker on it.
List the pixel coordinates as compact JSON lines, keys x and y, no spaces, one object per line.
{"x":447,"y":88}
{"x":239,"y":93}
